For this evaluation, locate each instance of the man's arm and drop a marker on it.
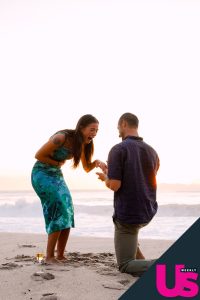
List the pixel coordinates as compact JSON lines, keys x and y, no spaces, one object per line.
{"x":113,"y":175}
{"x":112,"y":184}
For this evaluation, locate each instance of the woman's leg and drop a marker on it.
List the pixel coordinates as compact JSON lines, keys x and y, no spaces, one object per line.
{"x":61,"y":244}
{"x":51,"y":244}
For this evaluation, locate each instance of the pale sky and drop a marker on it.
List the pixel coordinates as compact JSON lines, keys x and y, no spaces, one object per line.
{"x":62,"y":59}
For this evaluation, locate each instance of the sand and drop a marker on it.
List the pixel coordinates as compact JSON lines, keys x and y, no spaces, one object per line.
{"x":90,"y":272}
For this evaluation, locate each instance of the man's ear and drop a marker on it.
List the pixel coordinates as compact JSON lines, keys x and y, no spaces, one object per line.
{"x":124,"y":123}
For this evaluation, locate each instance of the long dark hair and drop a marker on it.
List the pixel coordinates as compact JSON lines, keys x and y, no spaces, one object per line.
{"x":75,"y":136}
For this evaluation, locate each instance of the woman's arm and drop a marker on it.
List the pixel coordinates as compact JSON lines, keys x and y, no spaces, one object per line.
{"x":87,"y":166}
{"x":44,"y":154}
{"x":91,"y":165}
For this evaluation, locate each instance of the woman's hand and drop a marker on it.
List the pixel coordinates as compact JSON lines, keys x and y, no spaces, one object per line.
{"x":101,"y":165}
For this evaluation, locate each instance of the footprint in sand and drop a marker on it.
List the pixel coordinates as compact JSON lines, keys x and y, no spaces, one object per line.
{"x":104,"y":262}
{"x":9,"y":266}
{"x":103,"y":258}
{"x":108,"y":272}
{"x":124,"y":281}
{"x":57,"y":268}
{"x":49,"y":297}
{"x":23,"y":257}
{"x":26,"y":246}
{"x":42,"y":275}
{"x":114,"y":286}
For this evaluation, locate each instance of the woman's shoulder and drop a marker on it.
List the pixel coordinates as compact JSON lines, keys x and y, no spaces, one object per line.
{"x":58,"y":138}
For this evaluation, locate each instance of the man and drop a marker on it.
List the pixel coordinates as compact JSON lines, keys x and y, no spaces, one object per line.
{"x":132,"y":168}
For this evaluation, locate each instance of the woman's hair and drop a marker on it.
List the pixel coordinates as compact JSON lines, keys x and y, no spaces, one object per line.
{"x":76,"y":136}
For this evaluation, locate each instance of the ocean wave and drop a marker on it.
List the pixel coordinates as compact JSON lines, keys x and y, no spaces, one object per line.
{"x":179,"y":210}
{"x":22,"y":208}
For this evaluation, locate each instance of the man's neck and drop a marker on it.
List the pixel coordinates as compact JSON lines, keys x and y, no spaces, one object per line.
{"x":131,"y":132}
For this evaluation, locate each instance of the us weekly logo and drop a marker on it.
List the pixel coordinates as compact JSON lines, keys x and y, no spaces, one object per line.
{"x":184,"y":281}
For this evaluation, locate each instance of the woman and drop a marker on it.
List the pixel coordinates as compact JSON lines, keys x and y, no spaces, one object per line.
{"x":49,"y":184}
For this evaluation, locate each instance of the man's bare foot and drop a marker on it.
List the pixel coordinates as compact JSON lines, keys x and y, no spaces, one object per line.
{"x":139,"y":254}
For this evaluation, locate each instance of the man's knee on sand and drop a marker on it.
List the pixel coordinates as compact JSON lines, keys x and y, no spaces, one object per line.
{"x":136,"y":266}
{"x":123,"y":266}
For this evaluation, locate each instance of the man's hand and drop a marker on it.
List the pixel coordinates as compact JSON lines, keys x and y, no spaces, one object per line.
{"x":102,"y":176}
{"x":112,"y":184}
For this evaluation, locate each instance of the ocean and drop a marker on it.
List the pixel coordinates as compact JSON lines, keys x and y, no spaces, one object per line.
{"x":20,"y":211}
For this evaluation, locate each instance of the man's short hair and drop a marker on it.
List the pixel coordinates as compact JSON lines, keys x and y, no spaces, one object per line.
{"x":130,"y":118}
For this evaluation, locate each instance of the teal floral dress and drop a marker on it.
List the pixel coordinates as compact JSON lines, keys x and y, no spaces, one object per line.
{"x":49,"y":184}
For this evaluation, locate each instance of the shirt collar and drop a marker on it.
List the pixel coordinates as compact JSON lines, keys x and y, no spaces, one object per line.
{"x":132,"y":137}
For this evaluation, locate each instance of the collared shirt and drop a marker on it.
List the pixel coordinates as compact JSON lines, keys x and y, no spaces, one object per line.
{"x":135,"y":164}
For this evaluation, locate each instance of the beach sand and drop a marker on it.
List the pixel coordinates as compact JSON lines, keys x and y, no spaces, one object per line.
{"x":90,"y":273}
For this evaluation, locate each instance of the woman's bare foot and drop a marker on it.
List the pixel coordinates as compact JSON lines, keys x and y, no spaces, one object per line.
{"x":51,"y":260}
{"x":62,"y":258}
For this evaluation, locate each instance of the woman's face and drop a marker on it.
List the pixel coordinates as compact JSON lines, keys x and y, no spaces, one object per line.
{"x":89,"y":132}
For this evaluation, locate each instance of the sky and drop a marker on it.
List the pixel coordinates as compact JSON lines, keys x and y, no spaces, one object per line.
{"x":62,"y":59}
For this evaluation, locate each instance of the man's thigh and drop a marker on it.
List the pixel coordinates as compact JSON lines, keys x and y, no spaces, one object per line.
{"x":126,"y":241}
